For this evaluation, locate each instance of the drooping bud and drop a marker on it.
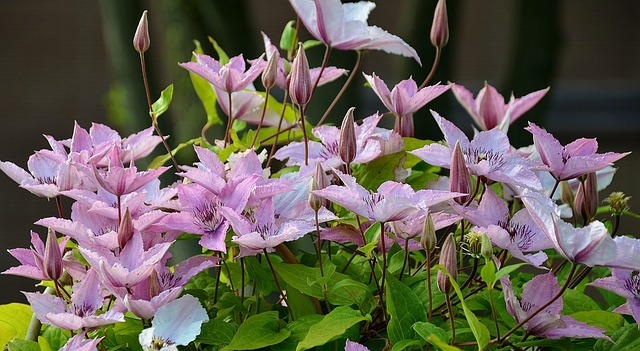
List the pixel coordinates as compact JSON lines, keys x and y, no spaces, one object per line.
{"x":347,"y":145}
{"x":141,"y":39}
{"x":473,"y":241}
{"x":318,"y":182}
{"x":450,"y":262}
{"x":459,"y":180}
{"x":52,"y":257}
{"x":428,"y":238}
{"x":586,"y":201}
{"x":566,"y":193}
{"x":618,"y":202}
{"x":125,"y":230}
{"x":300,"y":84}
{"x":270,"y":74}
{"x":440,"y":27}
{"x":487,"y":247}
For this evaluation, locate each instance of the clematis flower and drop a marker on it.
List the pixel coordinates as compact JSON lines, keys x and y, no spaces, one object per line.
{"x":247,"y":106}
{"x":626,"y":283}
{"x":371,"y":143}
{"x":231,"y":77}
{"x":404,"y":99}
{"x":85,"y":302}
{"x":549,"y":323}
{"x":354,"y":346}
{"x":489,"y":110}
{"x":572,"y":160}
{"x":176,"y":323}
{"x":79,"y":343}
{"x":344,"y":27}
{"x":488,"y":155}
{"x":32,"y":261}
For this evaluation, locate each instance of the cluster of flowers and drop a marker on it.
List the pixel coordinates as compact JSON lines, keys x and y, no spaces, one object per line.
{"x":114,"y":255}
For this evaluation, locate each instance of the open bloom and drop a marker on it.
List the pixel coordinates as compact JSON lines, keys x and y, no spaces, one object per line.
{"x":572,"y":160}
{"x":549,"y":323}
{"x":79,"y":343}
{"x":344,"y":27}
{"x":176,"y":323}
{"x":625,"y":283}
{"x":231,"y":77}
{"x":32,"y":261}
{"x":489,"y":110}
{"x":488,"y":155}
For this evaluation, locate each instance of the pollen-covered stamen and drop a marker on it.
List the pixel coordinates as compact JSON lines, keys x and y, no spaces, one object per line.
{"x":329,"y":150}
{"x":519,"y":233}
{"x":208,"y":217}
{"x":250,"y":214}
{"x":372,"y":200}
{"x":633,"y":284}
{"x":158,"y":343}
{"x":476,"y":154}
{"x":266,"y":230}
{"x":106,"y":229}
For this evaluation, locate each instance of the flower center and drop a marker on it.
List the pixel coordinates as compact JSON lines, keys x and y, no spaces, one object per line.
{"x":519,"y":233}
{"x":477,"y":154}
{"x":633,"y":284}
{"x":208,"y":217}
{"x":329,"y":150}
{"x":372,"y":200}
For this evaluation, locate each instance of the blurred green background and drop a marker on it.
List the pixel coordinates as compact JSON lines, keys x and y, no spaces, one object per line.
{"x":73,"y":60}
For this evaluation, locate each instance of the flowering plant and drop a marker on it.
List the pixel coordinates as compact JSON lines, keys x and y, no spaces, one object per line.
{"x":314,"y":236}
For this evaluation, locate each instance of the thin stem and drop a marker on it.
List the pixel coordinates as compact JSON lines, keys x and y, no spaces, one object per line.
{"x":384,"y":257}
{"x":541,"y":308}
{"x":275,"y":136}
{"x":406,"y":259}
{"x":453,"y":325}
{"x":154,"y":118}
{"x":264,"y":111}
{"x":430,"y":312}
{"x":555,"y":186}
{"x":356,"y":68}
{"x":275,"y":278}
{"x":494,"y":312}
{"x":303,"y":109}
{"x":616,"y":225}
{"x":215,"y":293}
{"x":325,"y":60}
{"x":472,"y":274}
{"x":119,"y":210}
{"x":242,"y":281}
{"x":319,"y":245}
{"x":59,"y":205}
{"x":433,"y":69}
{"x":229,"y":121}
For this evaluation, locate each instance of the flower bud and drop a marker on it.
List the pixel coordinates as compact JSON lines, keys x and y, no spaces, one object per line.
{"x":52,"y":257}
{"x":141,"y":39}
{"x":318,"y":182}
{"x":440,"y":27}
{"x":125,"y":230}
{"x":270,"y":74}
{"x":300,"y":79}
{"x":586,"y":201}
{"x":347,"y":145}
{"x":566,"y":193}
{"x":428,"y":238}
{"x":618,"y":202}
{"x":459,"y":175}
{"x":473,"y":241}
{"x":450,"y":262}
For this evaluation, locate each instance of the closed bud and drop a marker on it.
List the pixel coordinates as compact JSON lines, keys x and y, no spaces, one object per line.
{"x":52,"y":257}
{"x":459,"y":180}
{"x":618,"y":202}
{"x":440,"y":27}
{"x":566,"y":193}
{"x":270,"y":74}
{"x":450,"y":262}
{"x":318,"y":182}
{"x":347,"y":143}
{"x":141,"y":39}
{"x":428,"y":238}
{"x":300,"y":79}
{"x":125,"y":230}
{"x":487,"y":247}
{"x":586,"y":201}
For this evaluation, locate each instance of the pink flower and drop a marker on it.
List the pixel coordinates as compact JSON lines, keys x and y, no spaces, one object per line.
{"x":344,"y":27}
{"x":489,"y":110}
{"x":231,"y":77}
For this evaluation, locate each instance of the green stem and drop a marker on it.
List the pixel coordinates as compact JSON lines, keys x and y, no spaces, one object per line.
{"x":264,"y":111}
{"x":275,"y":278}
{"x":493,"y":311}
{"x":451,"y":319}
{"x":356,"y":68}
{"x":430,"y":312}
{"x":275,"y":136}
{"x":433,"y":68}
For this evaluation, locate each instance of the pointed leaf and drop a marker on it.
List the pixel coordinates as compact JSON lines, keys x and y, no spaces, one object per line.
{"x":216,"y":332}
{"x":223,"y":57}
{"x":602,"y":319}
{"x":405,"y":309}
{"x":331,"y":327}
{"x":23,"y":345}
{"x":259,"y":331}
{"x":14,"y":321}
{"x":288,"y":37}
{"x":162,"y":104}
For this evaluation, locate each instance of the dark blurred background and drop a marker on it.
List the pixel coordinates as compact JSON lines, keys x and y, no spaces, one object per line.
{"x":73,"y":60}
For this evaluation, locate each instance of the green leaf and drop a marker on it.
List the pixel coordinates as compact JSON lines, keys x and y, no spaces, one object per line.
{"x":602,"y":319}
{"x":205,"y":93}
{"x":405,"y":309}
{"x":479,"y":330}
{"x":372,"y":233}
{"x":259,"y":331}
{"x":311,"y":43}
{"x":299,"y":276}
{"x":301,"y":304}
{"x":411,"y":144}
{"x":575,"y":301}
{"x":434,"y":340}
{"x":260,"y":274}
{"x":44,"y":344}
{"x":223,"y":58}
{"x":56,"y":337}
{"x":403,"y":345}
{"x":14,"y":322}
{"x":331,"y":327}
{"x":372,"y":174}
{"x":426,"y":330}
{"x":216,"y":332}
{"x":488,"y":273}
{"x":349,"y":291}
{"x":162,"y":104}
{"x":626,"y":338}
{"x":299,"y":329}
{"x":161,"y":160}
{"x":23,"y":345}
{"x":288,"y":37}
{"x":507,"y":270}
